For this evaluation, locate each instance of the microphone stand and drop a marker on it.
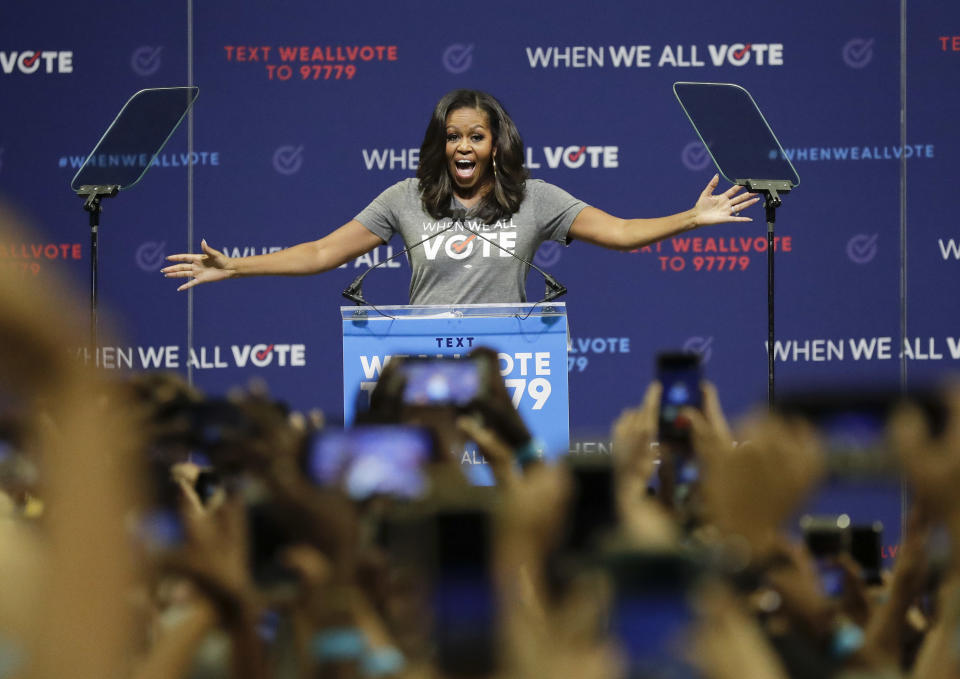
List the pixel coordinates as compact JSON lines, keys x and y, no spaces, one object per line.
{"x":553,"y":290}
{"x":354,"y":291}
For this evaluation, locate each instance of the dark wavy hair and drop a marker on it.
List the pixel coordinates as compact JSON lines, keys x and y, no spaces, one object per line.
{"x":509,"y":182}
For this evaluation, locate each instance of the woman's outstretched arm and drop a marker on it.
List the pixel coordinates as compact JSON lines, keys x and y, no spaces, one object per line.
{"x":597,"y":227}
{"x":349,"y":241}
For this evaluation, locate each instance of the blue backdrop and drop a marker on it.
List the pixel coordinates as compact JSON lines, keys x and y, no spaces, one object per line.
{"x":308,"y":110}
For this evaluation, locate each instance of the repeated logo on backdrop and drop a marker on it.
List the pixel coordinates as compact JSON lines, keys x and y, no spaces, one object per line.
{"x":858,"y":52}
{"x":310,"y":62}
{"x":862,"y":248}
{"x":695,"y":156}
{"x":548,"y":254}
{"x":701,"y":346}
{"x":458,"y":58}
{"x":150,"y":255}
{"x":288,"y":159}
{"x":146,"y":60}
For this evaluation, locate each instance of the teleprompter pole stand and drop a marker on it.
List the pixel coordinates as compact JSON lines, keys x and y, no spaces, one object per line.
{"x":771,"y":189}
{"x":93,"y":194}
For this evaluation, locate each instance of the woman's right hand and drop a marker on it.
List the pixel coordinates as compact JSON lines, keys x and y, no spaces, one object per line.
{"x":208,"y":267}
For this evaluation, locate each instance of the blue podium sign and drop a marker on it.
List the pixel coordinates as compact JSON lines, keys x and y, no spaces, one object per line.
{"x":531,"y":344}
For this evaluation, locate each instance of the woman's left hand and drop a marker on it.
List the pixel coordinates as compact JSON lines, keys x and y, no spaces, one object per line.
{"x":722,"y":207}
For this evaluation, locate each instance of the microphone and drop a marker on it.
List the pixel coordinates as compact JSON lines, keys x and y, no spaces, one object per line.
{"x":354,"y":291}
{"x":554,"y":289}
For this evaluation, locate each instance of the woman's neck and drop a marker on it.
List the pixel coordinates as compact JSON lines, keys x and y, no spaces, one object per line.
{"x":468,"y":202}
{"x":470,"y":199}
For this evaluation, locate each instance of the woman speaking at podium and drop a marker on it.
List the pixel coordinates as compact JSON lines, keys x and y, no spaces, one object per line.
{"x":472,"y":219}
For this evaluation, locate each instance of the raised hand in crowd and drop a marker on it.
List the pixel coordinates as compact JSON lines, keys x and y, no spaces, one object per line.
{"x":536,"y":629}
{"x":216,"y":554}
{"x":215,"y":559}
{"x":749,"y":490}
{"x":643,"y":520}
{"x":494,"y":424}
{"x":728,"y":643}
{"x":338,"y":631}
{"x":634,"y":437}
{"x":710,"y":430}
{"x":496,"y":452}
{"x":388,"y":406}
{"x":269,"y":445}
{"x":495,"y":407}
{"x":937,"y":656}
{"x":931,"y":464}
{"x":890,"y":627}
{"x":805,"y":612}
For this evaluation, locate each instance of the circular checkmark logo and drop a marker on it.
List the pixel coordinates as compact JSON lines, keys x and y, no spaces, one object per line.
{"x":862,"y":248}
{"x":694,"y":156}
{"x":548,"y":254}
{"x":288,"y":159}
{"x":146,"y":60}
{"x":702,"y":346}
{"x":150,"y":255}
{"x":458,"y":58}
{"x":857,"y":53}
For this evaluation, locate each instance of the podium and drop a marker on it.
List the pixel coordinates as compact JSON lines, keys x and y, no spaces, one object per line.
{"x":530,"y":340}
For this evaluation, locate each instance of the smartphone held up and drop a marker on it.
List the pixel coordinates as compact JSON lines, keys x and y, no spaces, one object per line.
{"x":680,"y":375}
{"x":441,"y":381}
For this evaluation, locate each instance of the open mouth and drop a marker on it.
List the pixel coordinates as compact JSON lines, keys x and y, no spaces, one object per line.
{"x":465,"y":168}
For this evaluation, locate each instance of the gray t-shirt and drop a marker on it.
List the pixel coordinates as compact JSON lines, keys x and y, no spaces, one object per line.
{"x":458,"y":266}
